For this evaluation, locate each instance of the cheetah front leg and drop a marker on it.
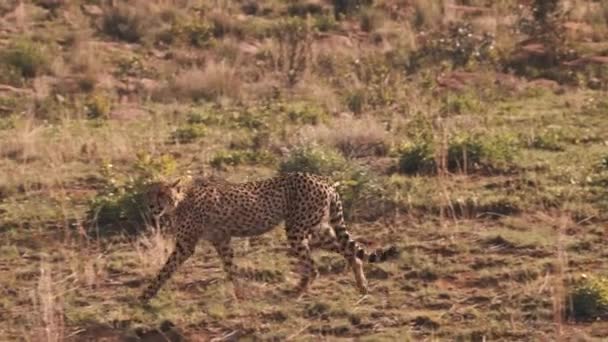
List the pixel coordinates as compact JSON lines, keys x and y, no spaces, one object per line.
{"x":183,"y":250}
{"x":226,"y":254}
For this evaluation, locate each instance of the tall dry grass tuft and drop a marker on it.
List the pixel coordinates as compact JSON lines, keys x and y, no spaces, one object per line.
{"x":215,"y":81}
{"x":559,"y":279}
{"x":152,"y":250}
{"x":48,"y":314}
{"x":353,"y":137}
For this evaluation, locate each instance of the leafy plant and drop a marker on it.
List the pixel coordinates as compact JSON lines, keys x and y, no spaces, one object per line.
{"x":24,"y":57}
{"x":344,"y":8}
{"x":126,"y":22}
{"x":121,"y":204}
{"x":239,"y":157}
{"x":589,"y":298}
{"x":98,"y":106}
{"x":459,"y":46}
{"x":314,"y":159}
{"x":295,"y":48}
{"x":188,"y":133}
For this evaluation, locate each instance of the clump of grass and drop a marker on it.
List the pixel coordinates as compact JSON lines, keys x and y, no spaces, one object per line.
{"x":126,"y":22}
{"x":344,"y":8}
{"x":241,"y":157}
{"x":197,"y":33}
{"x":589,"y":298}
{"x":305,"y":113}
{"x":314,"y":159}
{"x":215,"y":81}
{"x":354,"y":138}
{"x":122,"y":203}
{"x":188,"y":133}
{"x":50,"y":325}
{"x":370,"y":20}
{"x":417,"y":158}
{"x":98,"y":106}
{"x":24,"y":58}
{"x":464,"y":154}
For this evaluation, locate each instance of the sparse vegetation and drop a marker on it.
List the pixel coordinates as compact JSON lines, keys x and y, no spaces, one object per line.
{"x":471,"y":134}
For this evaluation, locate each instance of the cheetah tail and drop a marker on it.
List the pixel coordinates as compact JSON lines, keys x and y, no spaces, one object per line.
{"x":378,"y":255}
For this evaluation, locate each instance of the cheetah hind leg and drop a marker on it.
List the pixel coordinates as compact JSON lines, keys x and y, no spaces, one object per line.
{"x":326,"y":239}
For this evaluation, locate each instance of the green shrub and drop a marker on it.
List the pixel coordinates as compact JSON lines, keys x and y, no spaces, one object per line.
{"x":188,"y":133}
{"x":325,"y":23}
{"x":589,"y":298}
{"x":343,"y":8}
{"x":459,"y":46}
{"x":305,"y":113}
{"x":468,"y":152}
{"x":98,"y":106}
{"x":121,"y":204}
{"x":314,"y":159}
{"x":477,"y":152}
{"x":25,"y":58}
{"x":550,"y":140}
{"x":302,"y":9}
{"x":196,"y":33}
{"x":126,"y":22}
{"x":417,"y":158}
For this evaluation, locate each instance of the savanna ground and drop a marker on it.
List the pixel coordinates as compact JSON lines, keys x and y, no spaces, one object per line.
{"x":471,"y":134}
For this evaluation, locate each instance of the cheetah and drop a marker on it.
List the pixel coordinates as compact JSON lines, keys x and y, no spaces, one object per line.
{"x":308,"y":204}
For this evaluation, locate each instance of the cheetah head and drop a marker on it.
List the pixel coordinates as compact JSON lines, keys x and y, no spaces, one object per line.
{"x":162,"y":198}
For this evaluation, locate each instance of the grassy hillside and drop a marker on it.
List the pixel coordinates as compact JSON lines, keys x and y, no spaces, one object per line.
{"x":472,"y":134}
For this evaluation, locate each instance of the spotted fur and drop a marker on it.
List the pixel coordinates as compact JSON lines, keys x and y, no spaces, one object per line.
{"x":309,"y":206}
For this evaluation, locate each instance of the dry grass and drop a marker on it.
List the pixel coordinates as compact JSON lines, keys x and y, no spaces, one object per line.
{"x":48,"y":317}
{"x":470,"y":269}
{"x":216,"y":81}
{"x":354,"y":137}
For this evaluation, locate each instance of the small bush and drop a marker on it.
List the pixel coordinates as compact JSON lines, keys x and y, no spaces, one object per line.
{"x":240,"y":157}
{"x":467,"y":152}
{"x":481,"y":152}
{"x":215,"y":81}
{"x":195,"y":33}
{"x":302,"y":9}
{"x":314,"y":159}
{"x":460,"y":45}
{"x":294,"y":53}
{"x":417,"y":158}
{"x":122,"y":203}
{"x":129,"y":23}
{"x":25,"y":58}
{"x":370,"y":20}
{"x":325,"y":23}
{"x":589,"y":299}
{"x":344,"y":8}
{"x":188,"y":133}
{"x":304,"y":113}
{"x":98,"y":106}
{"x":549,"y":140}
